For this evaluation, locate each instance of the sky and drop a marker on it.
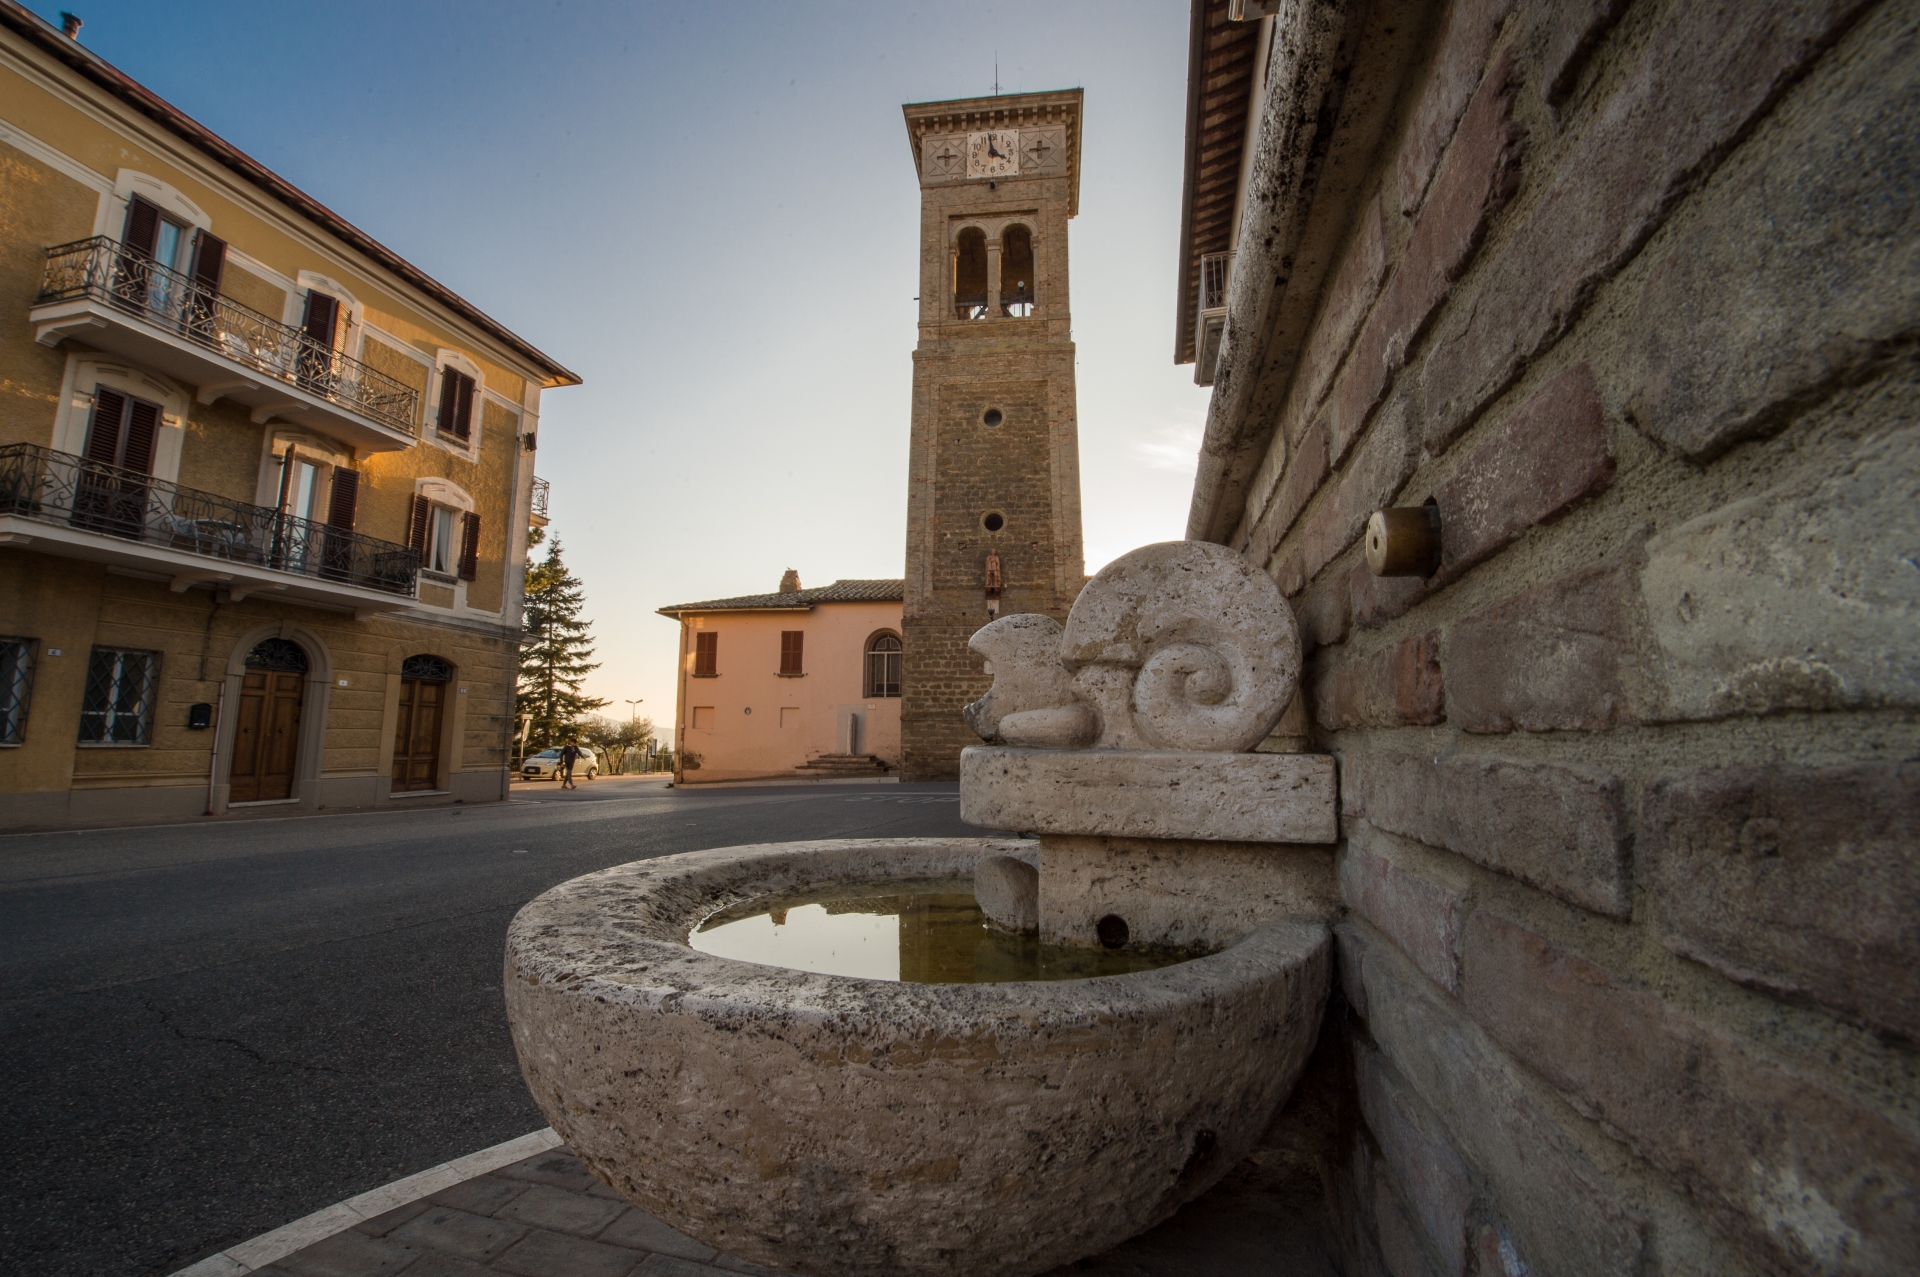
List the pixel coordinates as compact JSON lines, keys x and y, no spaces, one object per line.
{"x":710,"y":213}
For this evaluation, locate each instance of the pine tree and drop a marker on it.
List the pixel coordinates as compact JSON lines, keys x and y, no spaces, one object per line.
{"x":556,"y":657}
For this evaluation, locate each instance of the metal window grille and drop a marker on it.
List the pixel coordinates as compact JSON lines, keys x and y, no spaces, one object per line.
{"x":279,"y":654}
{"x":426,"y":669}
{"x":16,"y":687}
{"x":118,"y":709}
{"x":883,"y":666}
{"x":1215,"y":271}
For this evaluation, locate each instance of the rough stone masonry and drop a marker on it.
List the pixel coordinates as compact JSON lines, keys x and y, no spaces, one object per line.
{"x":1630,"y":833}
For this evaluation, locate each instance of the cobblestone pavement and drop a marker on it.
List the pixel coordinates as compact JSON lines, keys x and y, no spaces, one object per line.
{"x":547,"y":1216}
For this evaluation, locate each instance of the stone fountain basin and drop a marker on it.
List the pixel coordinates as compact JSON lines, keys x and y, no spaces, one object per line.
{"x":838,"y":1126}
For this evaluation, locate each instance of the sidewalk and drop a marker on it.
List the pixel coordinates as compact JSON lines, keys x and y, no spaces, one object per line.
{"x":545,"y":1215}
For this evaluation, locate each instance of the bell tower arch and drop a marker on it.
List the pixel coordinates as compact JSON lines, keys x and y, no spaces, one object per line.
{"x":994,"y":468}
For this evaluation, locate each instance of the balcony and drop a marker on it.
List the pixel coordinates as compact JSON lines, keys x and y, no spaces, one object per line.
{"x":68,"y":506}
{"x":136,"y":308}
{"x":1210,"y":319}
{"x":537,"y":511}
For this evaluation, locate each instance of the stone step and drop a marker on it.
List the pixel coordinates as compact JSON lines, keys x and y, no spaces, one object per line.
{"x":844,"y":765}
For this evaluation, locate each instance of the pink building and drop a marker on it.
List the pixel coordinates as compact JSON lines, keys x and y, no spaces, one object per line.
{"x":795,"y":683}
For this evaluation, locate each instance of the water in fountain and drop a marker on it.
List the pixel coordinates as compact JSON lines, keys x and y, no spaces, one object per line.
{"x":927,"y":931}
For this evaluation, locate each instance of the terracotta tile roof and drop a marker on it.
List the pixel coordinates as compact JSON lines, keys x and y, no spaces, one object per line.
{"x":893,"y":591}
{"x":24,"y":22}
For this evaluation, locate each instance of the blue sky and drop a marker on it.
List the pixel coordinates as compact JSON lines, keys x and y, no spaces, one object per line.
{"x":709,"y":211}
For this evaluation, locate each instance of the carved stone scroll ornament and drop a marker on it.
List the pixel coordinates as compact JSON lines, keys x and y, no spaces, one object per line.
{"x":1182,"y":645}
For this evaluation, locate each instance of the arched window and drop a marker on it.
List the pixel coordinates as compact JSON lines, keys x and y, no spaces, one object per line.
{"x":883,"y":664}
{"x":970,"y":275}
{"x":1016,"y":272}
{"x":278,"y":654}
{"x":426,"y":669}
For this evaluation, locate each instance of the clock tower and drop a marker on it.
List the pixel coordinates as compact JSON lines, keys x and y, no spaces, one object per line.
{"x":993,"y":496}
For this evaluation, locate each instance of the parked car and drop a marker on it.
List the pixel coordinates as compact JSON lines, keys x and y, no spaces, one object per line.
{"x":545,"y":765}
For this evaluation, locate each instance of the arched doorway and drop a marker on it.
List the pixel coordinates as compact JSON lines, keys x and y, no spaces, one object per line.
{"x":416,"y":738}
{"x":266,"y":740}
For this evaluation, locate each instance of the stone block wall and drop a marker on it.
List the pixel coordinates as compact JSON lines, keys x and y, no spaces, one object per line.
{"x":1631,"y":786}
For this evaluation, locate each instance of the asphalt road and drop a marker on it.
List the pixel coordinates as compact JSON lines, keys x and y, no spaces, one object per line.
{"x":212,"y":1030}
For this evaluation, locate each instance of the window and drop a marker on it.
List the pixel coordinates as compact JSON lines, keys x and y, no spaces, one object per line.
{"x":120,"y":434}
{"x":118,"y":709}
{"x":432,"y":533}
{"x":439,"y":547}
{"x":456,"y":405}
{"x":426,"y":669}
{"x":320,"y":321}
{"x":282,"y":656}
{"x":703,"y":718}
{"x":16,"y":687}
{"x":706,"y":654}
{"x":792,"y":644}
{"x":883,"y":665}
{"x":970,"y":275}
{"x":122,"y":430}
{"x":151,"y":239}
{"x":1016,"y":272}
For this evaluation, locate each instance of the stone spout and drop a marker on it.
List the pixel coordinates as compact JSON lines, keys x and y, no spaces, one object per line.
{"x":1178,"y":646}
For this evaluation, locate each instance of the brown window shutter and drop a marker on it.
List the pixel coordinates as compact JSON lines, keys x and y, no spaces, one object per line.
{"x":143,"y":423}
{"x":103,"y":436}
{"x":706,"y":653}
{"x":470,"y":548}
{"x":449,"y":384}
{"x":323,"y":313}
{"x":143,"y":227}
{"x":791,"y":642}
{"x":463,"y":407}
{"x":417,"y":529}
{"x":344,"y":503}
{"x":209,"y":260}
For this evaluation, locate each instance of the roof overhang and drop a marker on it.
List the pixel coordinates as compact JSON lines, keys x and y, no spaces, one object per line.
{"x":1220,"y":79}
{"x":1335,"y":73}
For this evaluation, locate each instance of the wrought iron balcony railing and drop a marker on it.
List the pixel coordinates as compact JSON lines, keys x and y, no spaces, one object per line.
{"x":101,"y":269}
{"x":541,"y":490}
{"x":59,"y":488}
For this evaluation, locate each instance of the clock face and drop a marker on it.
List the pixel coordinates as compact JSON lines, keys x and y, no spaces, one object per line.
{"x":995,"y":154}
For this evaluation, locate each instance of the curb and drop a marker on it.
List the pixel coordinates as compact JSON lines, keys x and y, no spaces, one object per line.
{"x":260,"y":1251}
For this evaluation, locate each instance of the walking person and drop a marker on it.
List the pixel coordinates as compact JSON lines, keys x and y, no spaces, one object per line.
{"x":568,"y":753}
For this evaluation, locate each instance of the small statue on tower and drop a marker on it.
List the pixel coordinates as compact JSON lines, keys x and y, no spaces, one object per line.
{"x":993,"y":584}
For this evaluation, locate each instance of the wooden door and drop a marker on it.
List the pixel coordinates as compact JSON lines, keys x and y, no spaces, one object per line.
{"x":416,"y":741}
{"x":266,"y":739}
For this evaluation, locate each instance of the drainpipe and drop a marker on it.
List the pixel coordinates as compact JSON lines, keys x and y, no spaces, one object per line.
{"x":213,"y":766}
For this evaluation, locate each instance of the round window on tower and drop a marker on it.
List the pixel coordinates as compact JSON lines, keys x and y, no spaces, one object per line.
{"x":993,"y":521}
{"x":991,"y":417}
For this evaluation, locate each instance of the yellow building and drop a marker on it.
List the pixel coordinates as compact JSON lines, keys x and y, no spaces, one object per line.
{"x":263,"y":484}
{"x":794,"y":683}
